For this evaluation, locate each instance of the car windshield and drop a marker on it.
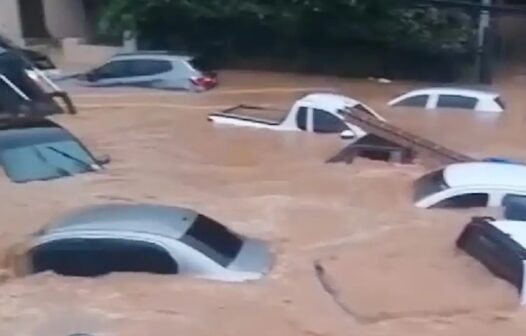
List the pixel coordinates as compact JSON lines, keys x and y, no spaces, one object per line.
{"x":213,"y":240}
{"x":429,"y":184}
{"x":500,"y":102}
{"x":45,"y":161}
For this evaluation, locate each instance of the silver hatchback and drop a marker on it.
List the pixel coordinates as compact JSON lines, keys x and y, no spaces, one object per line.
{"x":158,"y":70}
{"x":160,"y":239}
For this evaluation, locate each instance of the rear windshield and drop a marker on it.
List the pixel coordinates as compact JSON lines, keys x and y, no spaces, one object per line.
{"x":429,"y":184}
{"x":498,"y":252}
{"x":213,"y":240}
{"x":500,"y":102}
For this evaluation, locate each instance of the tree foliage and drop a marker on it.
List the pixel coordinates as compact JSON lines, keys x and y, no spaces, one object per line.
{"x":292,"y":29}
{"x":317,"y":21}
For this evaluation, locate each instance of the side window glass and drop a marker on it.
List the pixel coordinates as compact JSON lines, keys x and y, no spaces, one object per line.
{"x":415,"y":101}
{"x":474,"y":200}
{"x":94,"y":257}
{"x":514,"y":207}
{"x":148,"y":67}
{"x":324,"y":122}
{"x":113,"y":69}
{"x":455,"y":101}
{"x":301,"y":118}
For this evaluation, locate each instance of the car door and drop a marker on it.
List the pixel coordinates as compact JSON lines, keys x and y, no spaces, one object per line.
{"x":151,"y":73}
{"x":111,"y":74}
{"x":100,"y":256}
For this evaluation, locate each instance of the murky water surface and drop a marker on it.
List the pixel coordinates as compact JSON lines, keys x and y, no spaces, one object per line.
{"x":392,"y":268}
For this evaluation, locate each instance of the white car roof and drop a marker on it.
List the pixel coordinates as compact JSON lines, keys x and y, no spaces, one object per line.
{"x":475,"y":93}
{"x":333,"y":100}
{"x":490,"y":174}
{"x":516,"y":229}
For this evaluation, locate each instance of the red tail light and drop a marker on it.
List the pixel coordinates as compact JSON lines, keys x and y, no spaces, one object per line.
{"x":202,"y":81}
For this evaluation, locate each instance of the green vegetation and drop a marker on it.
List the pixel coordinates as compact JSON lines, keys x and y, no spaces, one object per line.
{"x":371,"y":32}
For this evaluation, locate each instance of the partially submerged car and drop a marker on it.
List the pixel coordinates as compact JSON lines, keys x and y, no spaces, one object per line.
{"x":444,"y":97}
{"x":102,"y":239}
{"x":500,"y":245}
{"x":39,"y":149}
{"x":317,"y":112}
{"x":470,"y":184}
{"x":153,"y":69}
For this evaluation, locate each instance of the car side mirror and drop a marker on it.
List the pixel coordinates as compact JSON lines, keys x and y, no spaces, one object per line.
{"x":103,"y":159}
{"x":347,"y":135}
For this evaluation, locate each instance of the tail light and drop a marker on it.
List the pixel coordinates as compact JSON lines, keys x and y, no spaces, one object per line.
{"x":202,"y":81}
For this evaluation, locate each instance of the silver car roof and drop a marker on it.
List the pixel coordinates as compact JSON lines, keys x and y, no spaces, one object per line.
{"x":153,"y":55}
{"x":145,"y":218}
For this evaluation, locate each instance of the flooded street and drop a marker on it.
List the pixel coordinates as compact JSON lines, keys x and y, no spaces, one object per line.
{"x":353,"y":256}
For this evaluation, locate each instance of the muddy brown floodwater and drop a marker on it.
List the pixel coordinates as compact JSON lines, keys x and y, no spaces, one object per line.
{"x":353,"y":256}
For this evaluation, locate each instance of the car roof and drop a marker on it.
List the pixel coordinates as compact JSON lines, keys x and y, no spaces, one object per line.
{"x":331,"y":99}
{"x":516,"y":229}
{"x":162,"y":55}
{"x":489,"y":174}
{"x":144,"y":218}
{"x":468,"y":92}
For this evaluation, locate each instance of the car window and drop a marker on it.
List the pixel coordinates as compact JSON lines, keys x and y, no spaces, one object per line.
{"x":472,"y":200}
{"x":456,"y":101}
{"x":325,"y":122}
{"x":114,"y":69}
{"x":428,"y":184}
{"x":94,"y":257}
{"x":500,"y":254}
{"x":514,"y":207}
{"x":500,"y":102}
{"x":45,"y":161}
{"x":415,"y":101}
{"x":148,"y":67}
{"x":301,"y":118}
{"x":213,"y":240}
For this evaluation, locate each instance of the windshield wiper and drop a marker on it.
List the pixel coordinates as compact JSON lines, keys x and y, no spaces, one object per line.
{"x":60,"y":171}
{"x":86,"y":165}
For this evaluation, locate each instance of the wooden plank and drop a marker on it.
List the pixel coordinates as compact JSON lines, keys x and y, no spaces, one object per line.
{"x":405,"y":139}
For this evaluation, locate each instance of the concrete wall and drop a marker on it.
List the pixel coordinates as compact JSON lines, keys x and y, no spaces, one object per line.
{"x":76,"y":52}
{"x":65,"y":18}
{"x":9,"y":20}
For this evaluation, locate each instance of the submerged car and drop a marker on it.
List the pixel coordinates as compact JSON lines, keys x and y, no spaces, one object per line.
{"x":102,"y":239}
{"x":500,"y":245}
{"x":444,"y":97}
{"x":471,"y":184}
{"x":158,"y":70}
{"x":40,"y":149}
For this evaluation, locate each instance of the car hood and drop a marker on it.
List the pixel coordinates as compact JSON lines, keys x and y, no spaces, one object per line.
{"x":254,"y":257}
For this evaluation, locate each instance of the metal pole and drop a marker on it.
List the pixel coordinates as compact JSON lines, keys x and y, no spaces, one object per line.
{"x":484,"y":21}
